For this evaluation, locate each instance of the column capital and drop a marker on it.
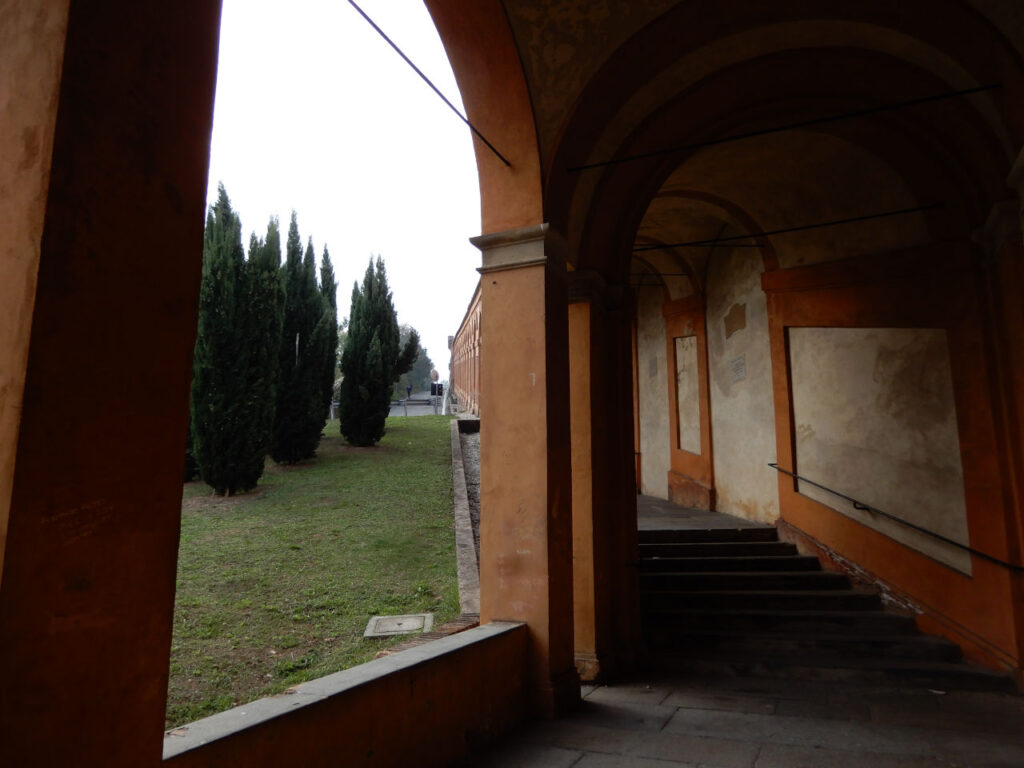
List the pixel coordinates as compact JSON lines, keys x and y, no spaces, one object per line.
{"x":586,"y":285}
{"x":517,"y":248}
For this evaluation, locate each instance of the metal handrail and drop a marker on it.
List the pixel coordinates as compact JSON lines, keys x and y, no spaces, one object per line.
{"x":859,"y":505}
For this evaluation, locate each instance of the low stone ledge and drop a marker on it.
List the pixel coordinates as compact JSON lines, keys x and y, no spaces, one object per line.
{"x":433,"y":694}
{"x":465,"y":546}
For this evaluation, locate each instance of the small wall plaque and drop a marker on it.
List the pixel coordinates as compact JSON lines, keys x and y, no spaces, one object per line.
{"x":739,"y":368}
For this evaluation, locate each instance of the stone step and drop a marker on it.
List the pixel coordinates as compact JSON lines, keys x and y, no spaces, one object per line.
{"x":937,"y":675}
{"x":864,"y":646}
{"x":739,"y":602}
{"x":789,"y":599}
{"x":856,"y":622}
{"x":719,"y":549}
{"x":744,"y":580}
{"x":691,"y":535}
{"x":732,"y":564}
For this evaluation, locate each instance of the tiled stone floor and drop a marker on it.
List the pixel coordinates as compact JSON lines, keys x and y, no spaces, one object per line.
{"x":670,"y":719}
{"x":654,"y":513}
{"x":771,"y":723}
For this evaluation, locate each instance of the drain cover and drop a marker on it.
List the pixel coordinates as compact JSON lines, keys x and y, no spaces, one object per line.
{"x":386,"y":626}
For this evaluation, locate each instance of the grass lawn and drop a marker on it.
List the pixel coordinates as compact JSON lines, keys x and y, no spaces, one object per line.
{"x":276,"y":586}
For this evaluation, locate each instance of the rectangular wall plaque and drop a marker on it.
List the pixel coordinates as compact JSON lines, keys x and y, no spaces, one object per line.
{"x":739,"y":368}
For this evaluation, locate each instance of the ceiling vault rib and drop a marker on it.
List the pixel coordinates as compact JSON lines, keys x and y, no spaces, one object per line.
{"x":789,"y":126}
{"x":786,"y":230}
{"x":711,"y":255}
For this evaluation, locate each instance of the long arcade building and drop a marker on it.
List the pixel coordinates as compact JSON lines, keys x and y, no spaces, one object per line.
{"x":730,"y":234}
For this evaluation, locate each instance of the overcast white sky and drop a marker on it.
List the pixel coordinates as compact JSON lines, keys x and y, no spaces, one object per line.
{"x":316,"y":112}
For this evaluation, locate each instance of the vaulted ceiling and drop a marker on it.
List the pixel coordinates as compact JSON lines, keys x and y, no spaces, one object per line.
{"x":609,"y":80}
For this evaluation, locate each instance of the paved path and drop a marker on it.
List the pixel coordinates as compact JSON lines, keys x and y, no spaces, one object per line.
{"x":414,"y":410}
{"x":654,"y":514}
{"x":665,"y":720}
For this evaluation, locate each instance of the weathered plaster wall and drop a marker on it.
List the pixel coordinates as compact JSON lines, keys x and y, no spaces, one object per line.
{"x":652,"y":381}
{"x":790,"y":166}
{"x":562,"y":43}
{"x":742,"y":410}
{"x":32,"y":42}
{"x":687,"y":393}
{"x":876,"y":420}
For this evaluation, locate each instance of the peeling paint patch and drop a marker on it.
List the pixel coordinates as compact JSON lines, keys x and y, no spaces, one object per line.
{"x":735,"y":319}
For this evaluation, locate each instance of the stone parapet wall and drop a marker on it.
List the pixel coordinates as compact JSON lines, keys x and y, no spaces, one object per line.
{"x":445,"y":697}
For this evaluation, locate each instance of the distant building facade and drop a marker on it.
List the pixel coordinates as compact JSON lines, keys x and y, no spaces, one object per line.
{"x":465,"y":362}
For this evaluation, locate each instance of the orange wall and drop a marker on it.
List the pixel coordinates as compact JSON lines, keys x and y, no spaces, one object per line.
{"x":931,"y":287}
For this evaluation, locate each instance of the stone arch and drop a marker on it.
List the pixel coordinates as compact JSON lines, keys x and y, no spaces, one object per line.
{"x":484,"y":58}
{"x":619,"y":115}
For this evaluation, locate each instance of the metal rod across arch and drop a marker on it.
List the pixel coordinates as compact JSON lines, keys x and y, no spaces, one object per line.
{"x":788,"y":127}
{"x":428,"y":81}
{"x":786,"y":230}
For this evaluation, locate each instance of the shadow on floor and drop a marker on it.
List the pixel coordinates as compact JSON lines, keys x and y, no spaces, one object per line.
{"x":663,"y":720}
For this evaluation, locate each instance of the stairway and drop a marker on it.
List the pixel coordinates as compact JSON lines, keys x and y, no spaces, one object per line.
{"x":739,"y":600}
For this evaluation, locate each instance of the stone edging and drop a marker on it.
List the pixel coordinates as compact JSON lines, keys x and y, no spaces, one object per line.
{"x":465,"y":549}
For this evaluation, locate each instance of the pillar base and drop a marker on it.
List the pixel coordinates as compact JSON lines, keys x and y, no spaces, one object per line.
{"x":559,"y":696}
{"x":596,"y":668}
{"x":687,"y":492}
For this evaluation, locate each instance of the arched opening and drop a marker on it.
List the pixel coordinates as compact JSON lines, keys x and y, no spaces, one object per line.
{"x":118,"y":126}
{"x":828,"y":172}
{"x":112,"y":156}
{"x":282,"y":592}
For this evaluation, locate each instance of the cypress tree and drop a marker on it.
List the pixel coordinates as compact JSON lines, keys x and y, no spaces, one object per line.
{"x":191,"y":468}
{"x":299,"y":416}
{"x":228,"y":440}
{"x":264,"y":315}
{"x":373,"y":359}
{"x":329,"y":291}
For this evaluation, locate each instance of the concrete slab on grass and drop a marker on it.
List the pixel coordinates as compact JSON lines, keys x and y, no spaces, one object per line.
{"x":388,"y":626}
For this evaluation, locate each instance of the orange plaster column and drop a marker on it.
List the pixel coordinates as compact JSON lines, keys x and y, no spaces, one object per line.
{"x":87,"y":597}
{"x":32,"y":41}
{"x":590,"y":600}
{"x":1002,"y":240}
{"x":619,"y":317}
{"x":603,"y":559}
{"x":525,"y":485}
